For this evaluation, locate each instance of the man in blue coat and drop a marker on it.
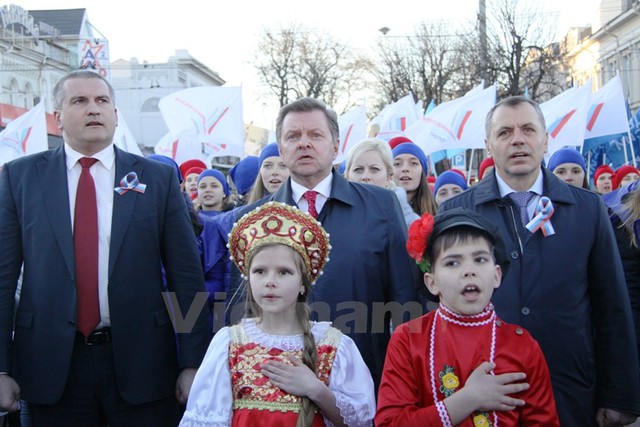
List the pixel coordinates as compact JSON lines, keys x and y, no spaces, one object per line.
{"x":565,"y":282}
{"x":91,"y":340}
{"x":369,"y":274}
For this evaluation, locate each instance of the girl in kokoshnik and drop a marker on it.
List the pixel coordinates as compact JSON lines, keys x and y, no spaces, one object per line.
{"x":276,"y":367}
{"x":461,"y":364}
{"x":410,"y":168}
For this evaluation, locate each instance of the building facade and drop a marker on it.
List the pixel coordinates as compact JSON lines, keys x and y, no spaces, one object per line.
{"x":610,"y":46}
{"x":38,"y":47}
{"x":140,"y":86}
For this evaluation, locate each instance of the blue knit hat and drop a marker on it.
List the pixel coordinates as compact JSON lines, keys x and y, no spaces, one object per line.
{"x":269,"y":150}
{"x":342,"y":167}
{"x":217,"y":175}
{"x":168,"y":161}
{"x":414,"y":150}
{"x":449,"y":177}
{"x":566,"y":155}
{"x":244,"y":174}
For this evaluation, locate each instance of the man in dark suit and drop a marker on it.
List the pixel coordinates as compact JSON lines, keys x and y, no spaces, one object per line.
{"x":565,"y":284}
{"x":369,"y":274}
{"x":91,"y":341}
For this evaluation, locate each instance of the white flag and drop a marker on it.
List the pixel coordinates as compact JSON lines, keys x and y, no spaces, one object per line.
{"x":165,"y":146}
{"x":455,"y":125}
{"x":396,"y":118}
{"x":607,"y":117}
{"x":207,"y":120}
{"x":123,"y":138}
{"x":26,"y":134}
{"x":181,"y":148}
{"x":565,"y":116}
{"x":353,"y":129}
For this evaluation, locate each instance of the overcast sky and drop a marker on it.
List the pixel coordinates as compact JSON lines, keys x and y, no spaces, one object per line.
{"x":223,"y":35}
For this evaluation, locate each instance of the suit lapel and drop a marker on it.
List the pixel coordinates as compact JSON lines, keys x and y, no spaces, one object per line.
{"x":123,"y":205}
{"x":52,"y":172}
{"x":284,"y":194}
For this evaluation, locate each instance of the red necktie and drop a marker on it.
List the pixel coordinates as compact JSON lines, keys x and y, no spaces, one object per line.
{"x":310,"y":197}
{"x":85,"y":245}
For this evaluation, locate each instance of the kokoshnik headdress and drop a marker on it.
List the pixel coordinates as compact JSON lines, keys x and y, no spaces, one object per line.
{"x":279,"y":223}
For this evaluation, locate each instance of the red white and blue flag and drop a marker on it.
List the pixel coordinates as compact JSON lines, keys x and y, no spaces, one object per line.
{"x":395,"y":118}
{"x":607,"y":118}
{"x":456,"y":125}
{"x":565,"y":116}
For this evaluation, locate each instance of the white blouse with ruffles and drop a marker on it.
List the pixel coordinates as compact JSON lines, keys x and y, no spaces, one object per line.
{"x":210,"y":402}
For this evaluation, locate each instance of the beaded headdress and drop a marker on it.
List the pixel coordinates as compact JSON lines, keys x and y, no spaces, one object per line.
{"x":278,"y":223}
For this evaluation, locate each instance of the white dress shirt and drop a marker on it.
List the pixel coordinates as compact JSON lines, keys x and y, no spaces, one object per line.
{"x":103,"y":173}
{"x":323,"y":189}
{"x":536,"y":188}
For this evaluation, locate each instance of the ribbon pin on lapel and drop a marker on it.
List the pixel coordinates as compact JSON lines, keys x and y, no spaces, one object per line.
{"x":130,"y":182}
{"x":542,"y":219}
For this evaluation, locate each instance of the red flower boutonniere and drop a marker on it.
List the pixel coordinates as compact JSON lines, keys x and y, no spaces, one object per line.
{"x":419,"y":232}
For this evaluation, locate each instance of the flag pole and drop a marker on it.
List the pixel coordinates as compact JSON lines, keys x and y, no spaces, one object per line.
{"x":468,"y":171}
{"x":633,"y":154}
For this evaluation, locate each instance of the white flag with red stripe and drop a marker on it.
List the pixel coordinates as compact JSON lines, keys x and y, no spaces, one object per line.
{"x":207,"y":120}
{"x":395,"y":118}
{"x":353,"y":129}
{"x":25,"y":135}
{"x":565,"y":116}
{"x":607,"y":118}
{"x":124,"y":139}
{"x":455,"y":125}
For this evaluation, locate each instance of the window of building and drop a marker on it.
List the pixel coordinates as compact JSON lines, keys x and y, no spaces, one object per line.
{"x":151,"y":106}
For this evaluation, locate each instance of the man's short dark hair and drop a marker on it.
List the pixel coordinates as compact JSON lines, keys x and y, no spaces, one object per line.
{"x":58,"y":90}
{"x":512,"y":102}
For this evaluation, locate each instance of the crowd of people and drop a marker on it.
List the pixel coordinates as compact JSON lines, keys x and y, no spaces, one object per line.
{"x":292,"y":293}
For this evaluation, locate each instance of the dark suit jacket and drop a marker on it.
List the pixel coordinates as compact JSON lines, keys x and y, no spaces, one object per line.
{"x":368,"y":267}
{"x":148,"y":230}
{"x":568,"y":290}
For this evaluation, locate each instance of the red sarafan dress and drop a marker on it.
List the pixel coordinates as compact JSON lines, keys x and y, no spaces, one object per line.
{"x":430,"y":358}
{"x":229,"y":388}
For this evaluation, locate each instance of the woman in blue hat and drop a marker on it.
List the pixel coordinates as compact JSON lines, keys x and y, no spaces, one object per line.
{"x":568,"y":165}
{"x":410,"y":169}
{"x":272,"y":173}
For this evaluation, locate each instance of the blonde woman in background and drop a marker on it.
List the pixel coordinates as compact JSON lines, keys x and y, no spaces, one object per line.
{"x":370,"y":162}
